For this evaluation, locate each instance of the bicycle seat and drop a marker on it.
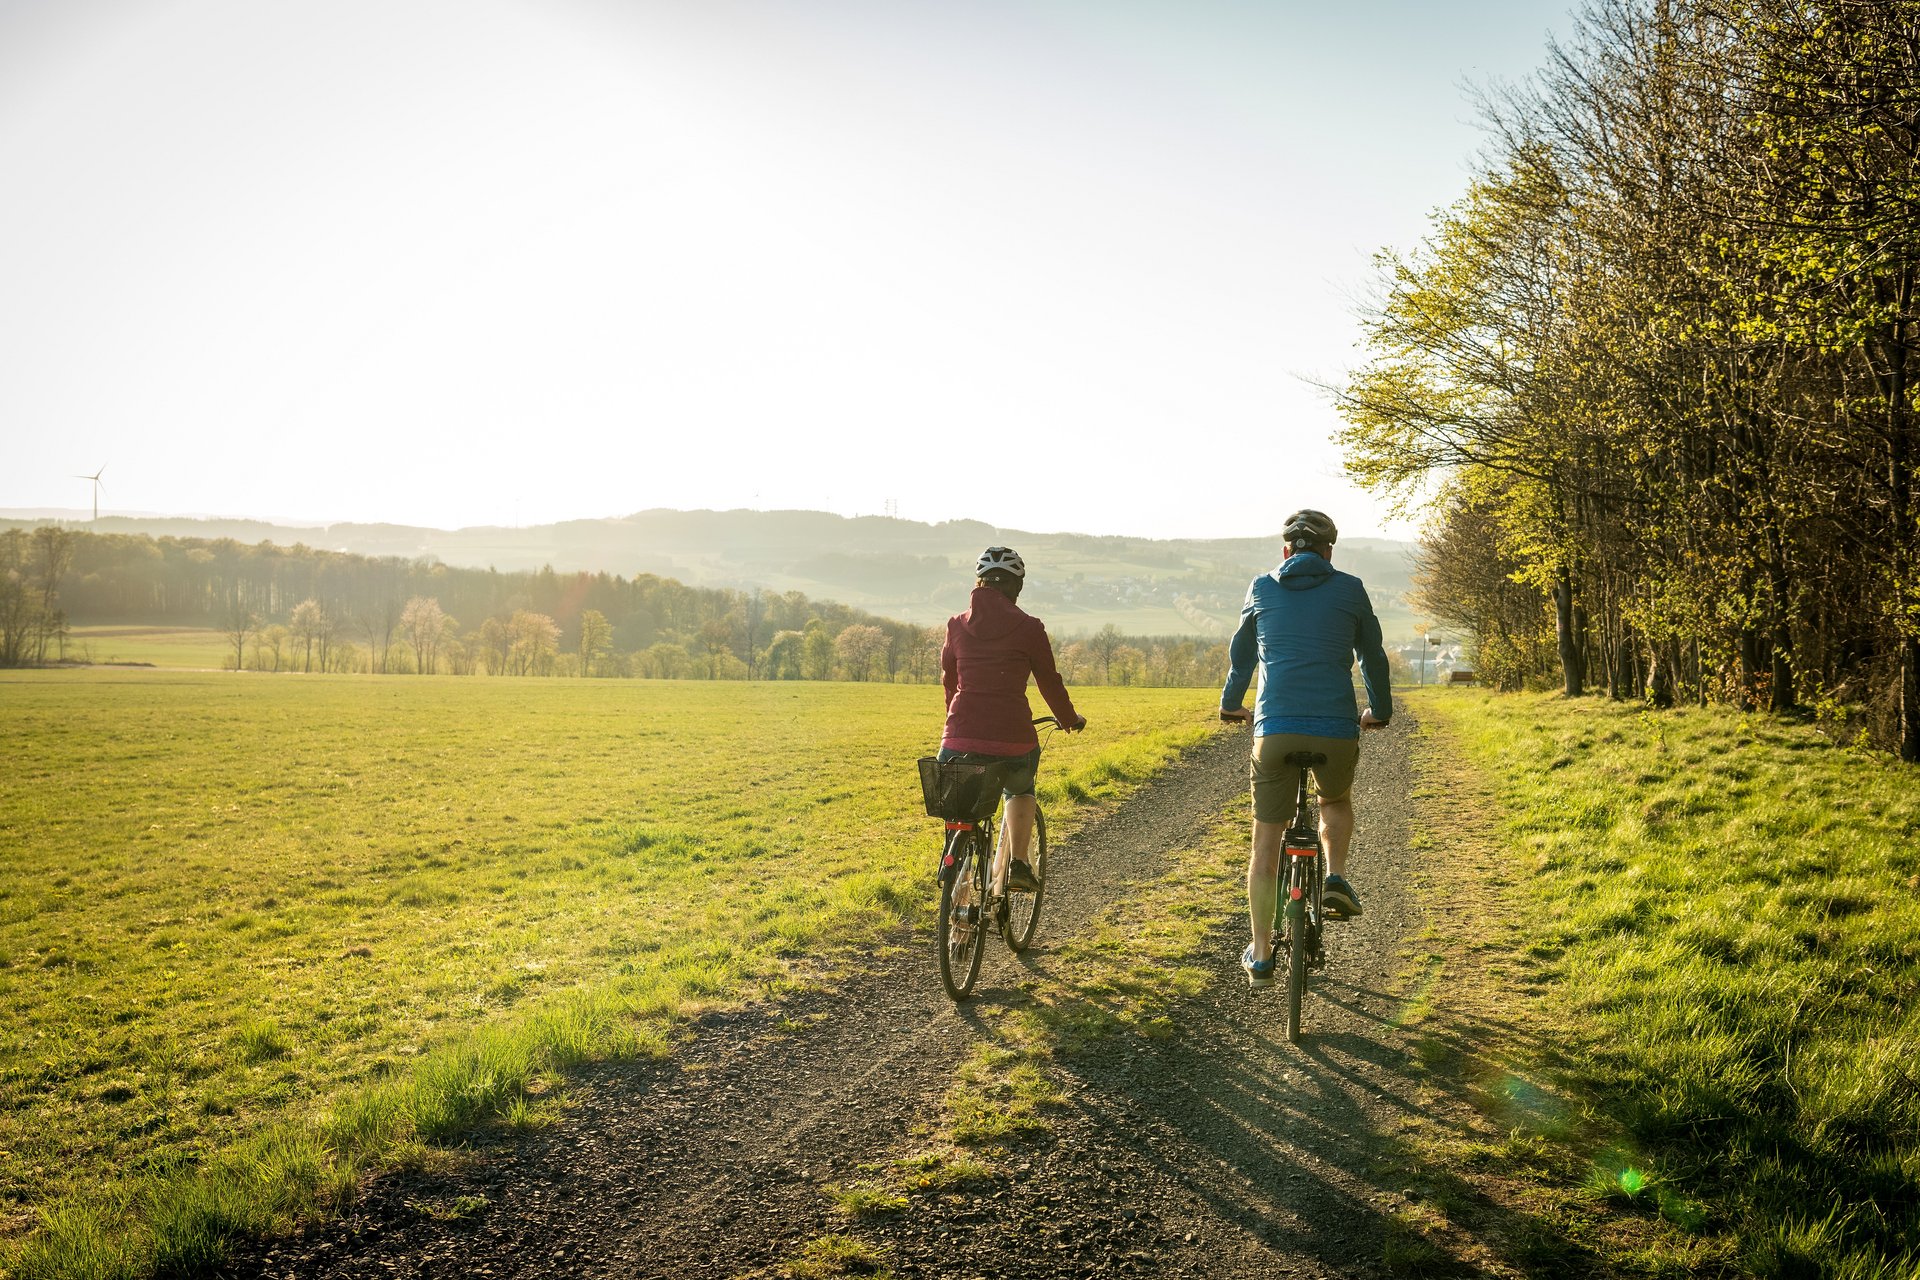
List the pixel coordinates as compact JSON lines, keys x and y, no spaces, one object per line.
{"x":1305,"y":759}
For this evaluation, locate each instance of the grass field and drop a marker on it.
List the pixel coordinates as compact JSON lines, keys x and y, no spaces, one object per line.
{"x":193,"y":647}
{"x":1717,"y":919}
{"x":255,"y":931}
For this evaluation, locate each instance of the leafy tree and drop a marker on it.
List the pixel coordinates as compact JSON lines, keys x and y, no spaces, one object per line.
{"x":816,"y":651}
{"x":424,"y":622}
{"x":596,"y":640}
{"x":533,"y":640}
{"x":782,"y":658}
{"x":859,"y":648}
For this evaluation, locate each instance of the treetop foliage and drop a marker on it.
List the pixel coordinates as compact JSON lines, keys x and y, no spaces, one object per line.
{"x":1651,"y":379}
{"x":300,"y":609}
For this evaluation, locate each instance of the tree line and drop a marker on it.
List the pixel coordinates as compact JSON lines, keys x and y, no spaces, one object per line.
{"x":1651,"y":379}
{"x":307,"y":610}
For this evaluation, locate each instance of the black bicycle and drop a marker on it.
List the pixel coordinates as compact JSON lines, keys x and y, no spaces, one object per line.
{"x":1301,"y":916}
{"x":966,"y":795}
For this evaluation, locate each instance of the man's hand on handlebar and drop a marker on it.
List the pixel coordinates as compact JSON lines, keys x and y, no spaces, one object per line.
{"x":1076,"y":728}
{"x":1369,"y":721}
{"x":1238,"y":715}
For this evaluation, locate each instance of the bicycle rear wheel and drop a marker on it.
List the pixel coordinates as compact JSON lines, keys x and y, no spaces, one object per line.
{"x":1297,"y":947}
{"x":1022,"y":916}
{"x":963,"y":896}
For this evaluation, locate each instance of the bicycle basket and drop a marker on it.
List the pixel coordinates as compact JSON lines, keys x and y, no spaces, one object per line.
{"x":960,"y":792}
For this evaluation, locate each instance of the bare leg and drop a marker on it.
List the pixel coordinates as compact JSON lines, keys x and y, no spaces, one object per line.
{"x":1017,"y":830}
{"x":1263,"y":883}
{"x":1336,"y":830}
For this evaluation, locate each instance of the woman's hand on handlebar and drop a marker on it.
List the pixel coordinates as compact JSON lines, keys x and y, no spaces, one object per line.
{"x":1079,"y":726}
{"x":1237,"y":715}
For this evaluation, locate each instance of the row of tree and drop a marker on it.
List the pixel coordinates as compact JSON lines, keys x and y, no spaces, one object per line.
{"x":301,"y":609}
{"x":1652,"y":378}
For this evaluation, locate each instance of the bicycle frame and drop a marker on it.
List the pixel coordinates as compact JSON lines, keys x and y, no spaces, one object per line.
{"x":974,"y":896}
{"x":1300,"y":906}
{"x":1305,"y":861}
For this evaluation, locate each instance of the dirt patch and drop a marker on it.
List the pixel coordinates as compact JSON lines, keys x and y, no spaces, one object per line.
{"x":1219,"y":1151}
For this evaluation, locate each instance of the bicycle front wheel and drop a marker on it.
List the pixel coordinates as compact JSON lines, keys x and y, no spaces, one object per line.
{"x":963,"y":896}
{"x":1297,"y":946}
{"x":1022,"y":918}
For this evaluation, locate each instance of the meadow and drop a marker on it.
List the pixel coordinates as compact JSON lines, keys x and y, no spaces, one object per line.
{"x":190,"y":647}
{"x":257,"y":933}
{"x":1718,"y":917}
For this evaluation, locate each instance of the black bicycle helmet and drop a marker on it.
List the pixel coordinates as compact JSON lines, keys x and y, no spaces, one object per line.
{"x":1309,"y":528}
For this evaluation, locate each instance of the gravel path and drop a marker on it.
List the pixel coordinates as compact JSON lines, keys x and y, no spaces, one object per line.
{"x":1222,"y":1151}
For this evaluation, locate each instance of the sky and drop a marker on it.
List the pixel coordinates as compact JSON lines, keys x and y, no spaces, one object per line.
{"x":1052,"y":265}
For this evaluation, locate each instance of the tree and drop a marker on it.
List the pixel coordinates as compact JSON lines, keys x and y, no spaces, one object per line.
{"x":494,"y":644}
{"x":715,"y":638}
{"x":1102,"y":646}
{"x":754,"y":617}
{"x":20,"y":610}
{"x":596,"y":640}
{"x":423,"y":621}
{"x":816,"y":651}
{"x":859,"y":647}
{"x":378,"y":621}
{"x":782,"y":658}
{"x":53,"y":549}
{"x":241,"y":622}
{"x":533,"y":640}
{"x":665,"y":661}
{"x":305,"y":625}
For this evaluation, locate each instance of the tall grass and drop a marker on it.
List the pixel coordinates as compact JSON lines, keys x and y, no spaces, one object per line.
{"x":1730,"y":910}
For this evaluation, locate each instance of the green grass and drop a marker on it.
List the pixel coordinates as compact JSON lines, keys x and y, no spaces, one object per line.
{"x":827,"y":1257}
{"x":1724,"y":915}
{"x":257,"y":934}
{"x":192,"y":647}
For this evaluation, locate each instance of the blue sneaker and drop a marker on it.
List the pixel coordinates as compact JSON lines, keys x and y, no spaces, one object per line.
{"x":1259,"y":972}
{"x":1341,"y":901}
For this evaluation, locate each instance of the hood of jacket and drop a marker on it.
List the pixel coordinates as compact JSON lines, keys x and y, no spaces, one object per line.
{"x":1302,"y":571}
{"x":991,"y":616}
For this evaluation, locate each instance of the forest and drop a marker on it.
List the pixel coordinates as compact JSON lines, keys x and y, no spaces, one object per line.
{"x":1651,"y":379}
{"x":298,"y":609}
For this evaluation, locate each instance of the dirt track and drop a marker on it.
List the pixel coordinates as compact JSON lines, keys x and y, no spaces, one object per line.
{"x":1222,"y":1151}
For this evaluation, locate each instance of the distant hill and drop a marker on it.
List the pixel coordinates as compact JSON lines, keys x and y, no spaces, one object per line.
{"x":898,"y":568}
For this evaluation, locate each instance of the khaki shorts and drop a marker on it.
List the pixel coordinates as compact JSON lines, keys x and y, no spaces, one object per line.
{"x":1274,"y":780}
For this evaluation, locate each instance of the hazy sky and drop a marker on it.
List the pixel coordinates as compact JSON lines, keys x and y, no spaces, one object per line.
{"x":1051,"y":265}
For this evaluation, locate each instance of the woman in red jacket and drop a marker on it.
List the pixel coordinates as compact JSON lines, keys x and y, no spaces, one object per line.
{"x":990,"y":652}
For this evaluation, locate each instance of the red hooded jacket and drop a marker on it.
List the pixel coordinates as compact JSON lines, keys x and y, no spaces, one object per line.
{"x":990,"y":651}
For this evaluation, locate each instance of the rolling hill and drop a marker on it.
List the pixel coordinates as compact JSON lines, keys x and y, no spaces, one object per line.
{"x":903,"y":569}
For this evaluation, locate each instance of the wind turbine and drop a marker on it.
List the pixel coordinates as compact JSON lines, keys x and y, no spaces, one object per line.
{"x":97,"y":486}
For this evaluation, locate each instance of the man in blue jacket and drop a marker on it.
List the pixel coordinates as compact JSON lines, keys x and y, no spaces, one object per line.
{"x":1304,"y":623}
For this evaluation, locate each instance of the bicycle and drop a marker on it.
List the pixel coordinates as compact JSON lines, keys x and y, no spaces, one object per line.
{"x":966,"y":795}
{"x":1300,"y":908}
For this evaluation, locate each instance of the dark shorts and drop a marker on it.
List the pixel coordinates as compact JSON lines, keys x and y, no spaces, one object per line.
{"x":1020,"y":778}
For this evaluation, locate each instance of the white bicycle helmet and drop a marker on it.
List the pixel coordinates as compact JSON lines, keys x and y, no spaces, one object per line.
{"x":1000,"y":558}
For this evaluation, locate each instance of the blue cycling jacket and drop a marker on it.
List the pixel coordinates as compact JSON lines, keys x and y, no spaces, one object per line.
{"x":1305,"y":623}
